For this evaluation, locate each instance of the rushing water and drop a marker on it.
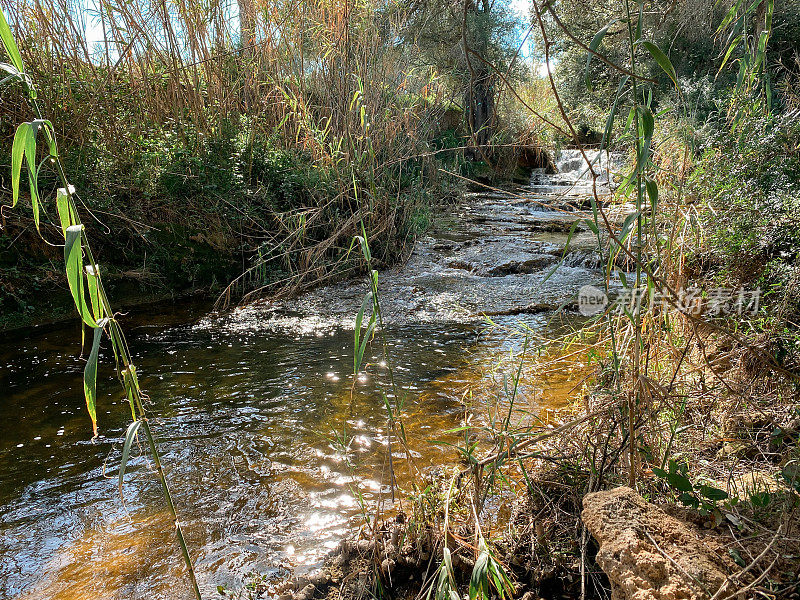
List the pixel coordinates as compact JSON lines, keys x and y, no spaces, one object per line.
{"x":251,"y":409}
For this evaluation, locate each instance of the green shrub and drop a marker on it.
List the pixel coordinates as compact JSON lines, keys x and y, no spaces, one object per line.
{"x":751,"y":186}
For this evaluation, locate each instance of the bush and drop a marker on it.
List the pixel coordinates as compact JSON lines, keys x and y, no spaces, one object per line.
{"x":751,"y":184}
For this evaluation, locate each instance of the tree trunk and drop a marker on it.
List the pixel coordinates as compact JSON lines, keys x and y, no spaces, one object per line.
{"x":481,"y":108}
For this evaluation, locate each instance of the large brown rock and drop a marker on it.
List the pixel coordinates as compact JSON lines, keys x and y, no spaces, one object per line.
{"x":648,"y":554}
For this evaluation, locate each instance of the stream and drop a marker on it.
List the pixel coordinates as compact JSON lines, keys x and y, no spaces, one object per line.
{"x":269,"y":443}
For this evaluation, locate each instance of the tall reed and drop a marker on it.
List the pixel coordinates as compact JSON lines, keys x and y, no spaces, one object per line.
{"x":83,"y":274}
{"x":324,"y":80}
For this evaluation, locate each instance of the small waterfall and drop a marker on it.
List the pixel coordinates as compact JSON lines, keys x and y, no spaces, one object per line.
{"x":573,"y":170}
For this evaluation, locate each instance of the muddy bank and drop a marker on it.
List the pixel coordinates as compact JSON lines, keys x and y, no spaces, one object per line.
{"x":168,"y":263}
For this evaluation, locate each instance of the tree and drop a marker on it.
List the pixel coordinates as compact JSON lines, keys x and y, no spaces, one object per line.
{"x":468,"y":42}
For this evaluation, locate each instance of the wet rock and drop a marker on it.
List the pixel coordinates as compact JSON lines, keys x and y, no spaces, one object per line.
{"x":530,"y":309}
{"x":493,"y":255}
{"x":528,"y":265}
{"x":318,"y":579}
{"x":649,"y":555}
{"x":286,"y":587}
{"x":345,"y":549}
{"x":551,"y":226}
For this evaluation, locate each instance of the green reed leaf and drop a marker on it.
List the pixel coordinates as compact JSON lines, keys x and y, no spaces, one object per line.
{"x":611,"y":115}
{"x":33,"y":170}
{"x":733,"y":45}
{"x":652,"y":192}
{"x":13,"y":74}
{"x":10,"y":44}
{"x":130,"y":381}
{"x":662,"y":60}
{"x":360,"y":346}
{"x":17,"y":154}
{"x":479,"y":581}
{"x":66,"y":214}
{"x":93,"y":283}
{"x":130,"y":434}
{"x":73,"y":257}
{"x":593,"y":45}
{"x":90,"y":378}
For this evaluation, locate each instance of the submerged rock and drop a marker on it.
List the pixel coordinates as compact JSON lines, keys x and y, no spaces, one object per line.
{"x":648,"y":554}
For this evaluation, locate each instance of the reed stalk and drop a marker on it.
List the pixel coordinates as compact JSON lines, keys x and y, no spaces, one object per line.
{"x":96,"y":312}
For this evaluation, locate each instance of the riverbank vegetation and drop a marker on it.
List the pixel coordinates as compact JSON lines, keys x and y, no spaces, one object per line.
{"x":242,"y":143}
{"x":245,"y":155}
{"x":691,"y":393}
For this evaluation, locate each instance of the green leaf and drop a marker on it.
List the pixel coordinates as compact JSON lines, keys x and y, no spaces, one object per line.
{"x":17,"y":154}
{"x":73,"y":257}
{"x":130,"y":434}
{"x":662,"y":60}
{"x":131,"y":383}
{"x":737,"y":558}
{"x":648,"y":128}
{"x":712,"y":493}
{"x":90,"y":378}
{"x":95,"y":291}
{"x":362,"y":239}
{"x":502,"y":582}
{"x":366,"y":339}
{"x":479,"y":581}
{"x":679,"y":482}
{"x":359,"y":354}
{"x":731,"y":48}
{"x":652,"y":192}
{"x":388,"y":407}
{"x":13,"y":74}
{"x":10,"y":44}
{"x":648,"y":123}
{"x":593,"y":45}
{"x":49,"y":135}
{"x":33,"y":170}
{"x":610,"y":120}
{"x":627,"y":226}
{"x":66,"y":214}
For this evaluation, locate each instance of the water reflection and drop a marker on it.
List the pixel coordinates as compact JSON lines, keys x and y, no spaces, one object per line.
{"x":269,"y":443}
{"x":253,"y":428}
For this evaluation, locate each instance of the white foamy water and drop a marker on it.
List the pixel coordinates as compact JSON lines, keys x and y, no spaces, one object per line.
{"x":575,"y":171}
